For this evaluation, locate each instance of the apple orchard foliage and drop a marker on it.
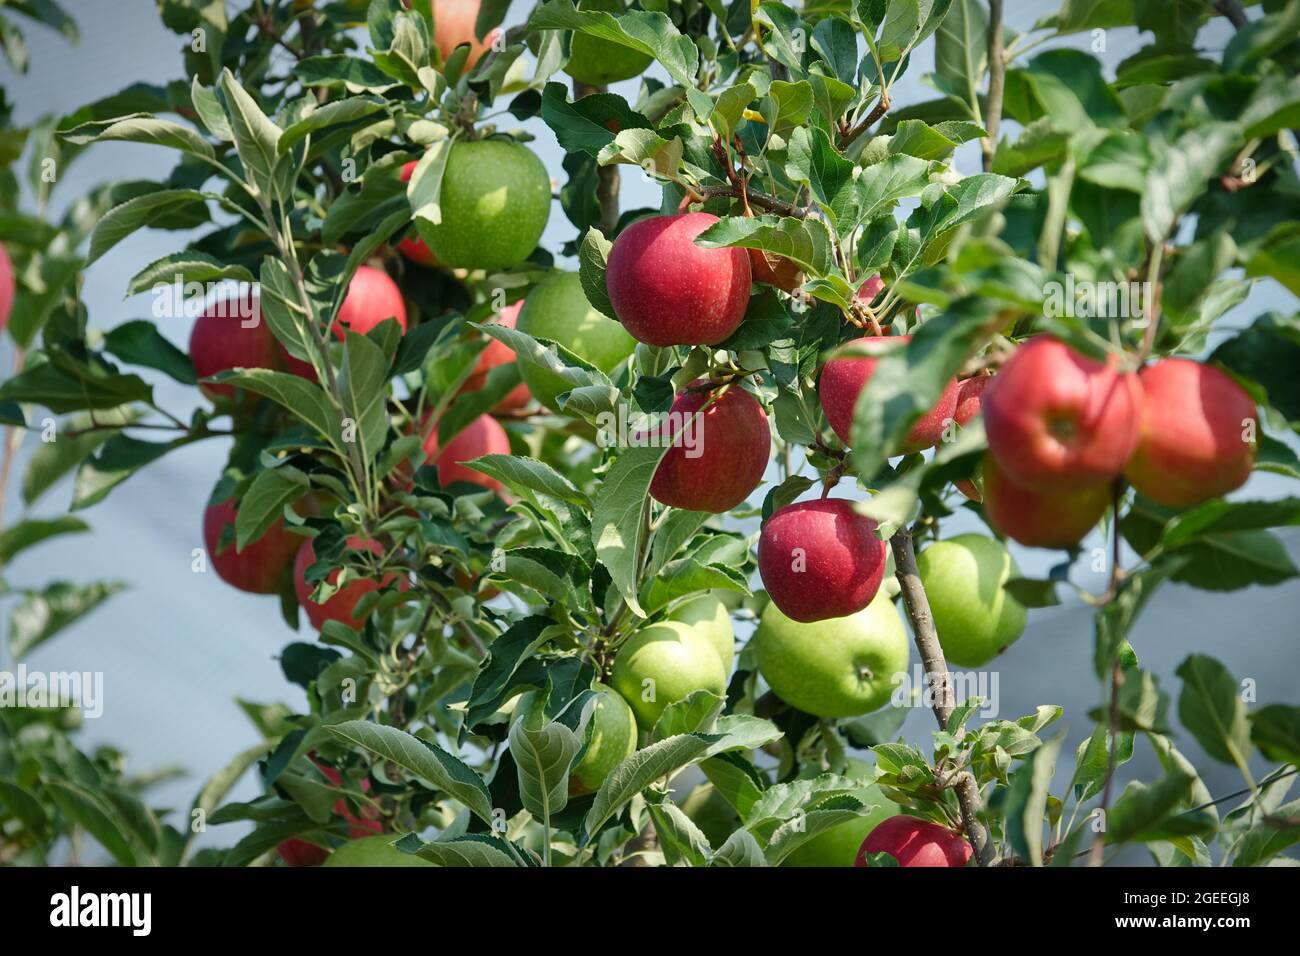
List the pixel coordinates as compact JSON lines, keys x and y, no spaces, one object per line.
{"x":334,"y":153}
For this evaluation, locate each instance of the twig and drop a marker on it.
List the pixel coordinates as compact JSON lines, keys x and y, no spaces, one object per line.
{"x":607,"y":177}
{"x":1231,"y":9}
{"x":997,"y":76}
{"x":877,"y":111}
{"x":760,"y":199}
{"x":940,"y":682}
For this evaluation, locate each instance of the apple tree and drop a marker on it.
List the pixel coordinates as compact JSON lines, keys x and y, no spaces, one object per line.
{"x":514,"y":491}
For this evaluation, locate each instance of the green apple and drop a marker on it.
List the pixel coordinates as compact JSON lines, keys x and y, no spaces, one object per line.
{"x":975,"y":617}
{"x":839,"y":845}
{"x":840,"y":667}
{"x":612,"y":740}
{"x":665,"y":663}
{"x":598,"y":62}
{"x":374,"y":851}
{"x":709,"y":810}
{"x":711,"y":621}
{"x":558,"y":310}
{"x":495,"y":199}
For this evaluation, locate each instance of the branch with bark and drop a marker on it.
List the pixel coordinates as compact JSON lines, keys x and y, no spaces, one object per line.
{"x":997,"y":79}
{"x":940,"y":683}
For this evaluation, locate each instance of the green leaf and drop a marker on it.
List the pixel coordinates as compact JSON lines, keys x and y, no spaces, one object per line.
{"x":804,"y":241}
{"x":1275,"y":729}
{"x":473,"y":850}
{"x":339,"y":112}
{"x":256,"y":137}
{"x":307,"y":400}
{"x":210,"y":111}
{"x":792,"y":834}
{"x":52,"y":460}
{"x":355,"y":74}
{"x":1025,"y":806}
{"x":1211,"y":707}
{"x":593,"y":254}
{"x":518,"y":473}
{"x":961,"y":50}
{"x":696,"y":713}
{"x":19,"y":537}
{"x":185,"y":267}
{"x":679,"y":837}
{"x":741,"y":849}
{"x":618,"y":522}
{"x":1179,"y":173}
{"x":422,"y":759}
{"x":67,"y":384}
{"x":264,"y":502}
{"x":120,"y":221}
{"x":639,"y":771}
{"x":140,"y":343}
{"x":543,"y":756}
{"x":120,"y":457}
{"x":589,"y":124}
{"x":141,"y":128}
{"x":91,"y":813}
{"x":1143,"y":813}
{"x":43,"y":614}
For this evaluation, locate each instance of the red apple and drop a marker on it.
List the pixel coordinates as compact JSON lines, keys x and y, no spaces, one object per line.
{"x":453,"y":24}
{"x":339,"y":606}
{"x":295,"y":366}
{"x":1198,"y":434}
{"x":230,"y":334}
{"x":914,"y":842}
{"x":260,"y":567}
{"x":483,"y":436}
{"x":298,"y":852}
{"x":372,"y":297}
{"x":844,"y":378}
{"x":718,"y":458}
{"x":1059,"y":421}
{"x":413,"y":247}
{"x":820,"y":559}
{"x":774,"y":270}
{"x":970,"y":393}
{"x":8,"y":288}
{"x":1040,"y":519}
{"x":666,"y":290}
{"x":498,"y":353}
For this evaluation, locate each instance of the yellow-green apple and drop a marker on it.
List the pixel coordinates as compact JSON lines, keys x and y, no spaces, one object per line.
{"x":845,"y":376}
{"x":708,"y":616}
{"x":341,"y":605}
{"x":496,"y":198}
{"x":453,"y":24}
{"x":598,"y":62}
{"x":8,"y":287}
{"x":1040,"y":519}
{"x":1199,"y":434}
{"x":914,"y":842}
{"x":975,"y":616}
{"x":842,"y":667}
{"x":721,"y":444}
{"x":820,"y":559}
{"x":662,"y":664}
{"x":1060,"y":421}
{"x":413,"y":247}
{"x":231,"y":334}
{"x":498,"y":353}
{"x":666,"y":290}
{"x":261,"y":566}
{"x":838,"y":846}
{"x":374,"y":851}
{"x":483,"y":436}
{"x":611,"y":739}
{"x":558,"y":310}
{"x":372,"y":297}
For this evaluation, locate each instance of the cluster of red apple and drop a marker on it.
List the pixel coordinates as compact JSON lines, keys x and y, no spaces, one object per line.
{"x":1063,"y":428}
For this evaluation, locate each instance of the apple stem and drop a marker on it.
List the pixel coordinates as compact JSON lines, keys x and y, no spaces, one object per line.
{"x":940,"y":683}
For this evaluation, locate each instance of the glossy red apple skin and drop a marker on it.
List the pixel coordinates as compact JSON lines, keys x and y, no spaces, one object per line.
{"x":340,"y":606}
{"x":297,"y":852}
{"x":1058,"y":519}
{"x":219,"y":342}
{"x":8,"y":287}
{"x":842,"y":380}
{"x":413,"y":247}
{"x":483,"y":436}
{"x":970,"y":392}
{"x":774,"y":270}
{"x":260,"y":567}
{"x":1060,"y":421}
{"x":498,"y":353}
{"x":733,"y":441}
{"x":372,"y":298}
{"x":453,"y":24}
{"x":666,"y":290}
{"x":820,"y":559}
{"x":914,"y":842}
{"x":1196,"y":422}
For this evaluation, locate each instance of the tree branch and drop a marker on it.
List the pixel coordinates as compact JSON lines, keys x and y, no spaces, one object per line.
{"x":1232,"y":9}
{"x":939,"y":680}
{"x":997,"y":76}
{"x":877,"y":111}
{"x":760,"y":199}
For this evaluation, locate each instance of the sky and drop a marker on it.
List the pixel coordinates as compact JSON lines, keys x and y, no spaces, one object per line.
{"x":177,"y":648}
